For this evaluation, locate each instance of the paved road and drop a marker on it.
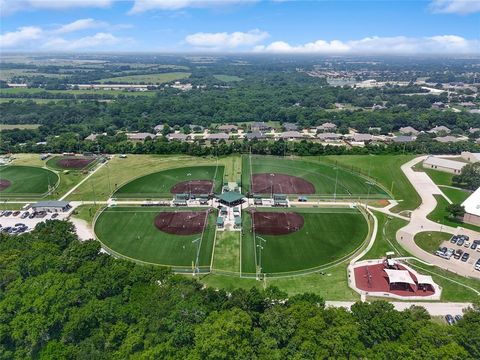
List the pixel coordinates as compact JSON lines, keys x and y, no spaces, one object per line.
{"x":426,"y":188}
{"x":433,"y":308}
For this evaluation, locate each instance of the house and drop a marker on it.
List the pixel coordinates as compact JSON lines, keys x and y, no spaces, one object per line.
{"x":359,"y":137}
{"x":290,"y":127}
{"x":378,"y":107}
{"x":329,"y":136}
{"x":445,"y":165}
{"x":408,"y":130}
{"x":467,"y":104}
{"x":439,"y":129}
{"x":159,"y":128}
{"x":259,"y":126}
{"x":177,"y":136}
{"x":328,"y":126}
{"x":403,"y":139}
{"x":448,"y":139}
{"x":473,"y":130}
{"x":472,"y":208}
{"x":255,"y":135}
{"x":291,"y":135}
{"x":140,"y":136}
{"x":471,"y":157}
{"x":474,"y":111}
{"x":93,"y":137}
{"x":438,"y":105}
{"x":228,"y":128}
{"x":219,"y":136}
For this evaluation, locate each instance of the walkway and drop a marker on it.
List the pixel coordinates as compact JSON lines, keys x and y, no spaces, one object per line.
{"x":83,"y":180}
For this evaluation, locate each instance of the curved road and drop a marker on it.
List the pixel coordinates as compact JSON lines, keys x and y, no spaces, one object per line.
{"x":426,"y":188}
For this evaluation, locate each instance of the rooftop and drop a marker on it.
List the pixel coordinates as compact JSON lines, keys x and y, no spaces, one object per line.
{"x":230,"y":196}
{"x":472,"y":204}
{"x":446,"y":163}
{"x":51,"y":203}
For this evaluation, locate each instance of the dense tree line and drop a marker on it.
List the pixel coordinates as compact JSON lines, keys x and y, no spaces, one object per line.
{"x":469,"y":177}
{"x":63,"y":299}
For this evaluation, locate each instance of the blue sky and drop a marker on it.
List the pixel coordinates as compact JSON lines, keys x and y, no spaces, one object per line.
{"x":330,"y":27}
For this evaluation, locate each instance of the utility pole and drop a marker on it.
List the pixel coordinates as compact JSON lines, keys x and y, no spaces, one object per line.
{"x":260,"y":247}
{"x":196,"y":267}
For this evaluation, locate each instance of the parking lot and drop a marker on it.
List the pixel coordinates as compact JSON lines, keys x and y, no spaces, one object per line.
{"x":11,"y":220}
{"x":462,"y":249}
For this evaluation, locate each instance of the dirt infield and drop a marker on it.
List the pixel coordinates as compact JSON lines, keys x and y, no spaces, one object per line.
{"x":196,"y":187}
{"x":181,"y":222}
{"x":276,"y":223}
{"x":267,"y":183}
{"x":74,"y":162}
{"x":4,"y":184}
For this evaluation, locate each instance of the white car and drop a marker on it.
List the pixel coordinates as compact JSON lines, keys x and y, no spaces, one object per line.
{"x":466,"y":244}
{"x":477,"y":265}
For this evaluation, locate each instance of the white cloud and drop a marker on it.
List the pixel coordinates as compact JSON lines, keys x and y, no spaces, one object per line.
{"x":10,"y":6}
{"x":145,"y":5}
{"x":100,"y":40}
{"x":455,"y":6}
{"x":22,"y":36}
{"x":81,"y":24}
{"x":398,"y":45}
{"x":224,"y":40}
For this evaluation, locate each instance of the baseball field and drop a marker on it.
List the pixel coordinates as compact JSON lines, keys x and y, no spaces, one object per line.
{"x":26,"y":181}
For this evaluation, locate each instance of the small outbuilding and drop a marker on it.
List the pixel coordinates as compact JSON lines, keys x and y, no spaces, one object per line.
{"x":52,"y":206}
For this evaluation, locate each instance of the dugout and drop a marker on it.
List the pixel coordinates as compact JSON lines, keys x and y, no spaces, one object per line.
{"x":280,"y":200}
{"x":238,"y":222}
{"x":230,"y":198}
{"x":220,"y":222}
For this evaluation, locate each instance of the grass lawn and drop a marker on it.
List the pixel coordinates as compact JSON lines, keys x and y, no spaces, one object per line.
{"x":227,"y":78}
{"x":27,"y":181}
{"x":130,"y":232}
{"x":439,"y":177}
{"x":233,"y":168}
{"x":441,"y":216}
{"x":28,"y":160}
{"x":18,"y":126}
{"x":327,"y":235}
{"x":386,"y":170}
{"x":147,"y":79}
{"x":159,"y":184}
{"x":227,"y":251}
{"x":322,"y":175}
{"x":431,"y":240}
{"x":457,"y":196}
{"x":87,"y":212}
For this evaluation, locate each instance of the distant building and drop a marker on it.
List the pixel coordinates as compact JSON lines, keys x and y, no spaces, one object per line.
{"x":159,"y":128}
{"x":408,"y":130}
{"x":140,"y":136}
{"x":438,"y":105}
{"x":328,"y":126}
{"x":291,"y":135}
{"x":177,"y":136}
{"x":290,"y":127}
{"x":473,"y":130}
{"x":439,"y":129}
{"x":403,"y":139}
{"x":467,"y":104}
{"x":228,"y":128}
{"x":472,"y":208}
{"x":445,"y":165}
{"x":259,"y":126}
{"x":93,"y":137}
{"x":219,"y":136}
{"x":328,"y":136}
{"x":474,"y":111}
{"x":258,"y":135}
{"x":471,"y":157}
{"x":378,"y":107}
{"x":359,"y":137}
{"x":449,"y":138}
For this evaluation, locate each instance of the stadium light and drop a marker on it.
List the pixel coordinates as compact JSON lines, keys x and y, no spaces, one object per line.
{"x":197,"y":242}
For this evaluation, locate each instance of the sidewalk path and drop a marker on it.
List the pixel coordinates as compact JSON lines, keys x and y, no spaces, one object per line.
{"x":83,"y":180}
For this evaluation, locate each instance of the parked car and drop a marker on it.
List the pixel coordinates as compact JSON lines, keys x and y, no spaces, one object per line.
{"x":16,"y":213}
{"x":31,"y":216}
{"x":458,"y":254}
{"x":454,"y":239}
{"x":477,"y":265}
{"x":474,"y":246}
{"x":449,"y":319}
{"x":460,"y":242}
{"x":25,"y":215}
{"x":54,"y":216}
{"x":448,"y":254}
{"x":465,"y":257}
{"x":458,"y":317}
{"x":441,"y":251}
{"x":7,"y":213}
{"x":467,"y":244}
{"x":1,"y":213}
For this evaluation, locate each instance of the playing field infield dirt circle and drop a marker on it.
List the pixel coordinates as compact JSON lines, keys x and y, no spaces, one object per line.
{"x":268,"y":183}
{"x":193,"y":187}
{"x":75,"y":163}
{"x":4,"y":183}
{"x":276,"y":223}
{"x":181,"y":222}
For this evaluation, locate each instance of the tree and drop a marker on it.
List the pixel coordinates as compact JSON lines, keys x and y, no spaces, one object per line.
{"x":455,"y":210}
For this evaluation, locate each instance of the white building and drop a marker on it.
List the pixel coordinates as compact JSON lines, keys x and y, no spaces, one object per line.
{"x":471,"y":157}
{"x":445,"y":165}
{"x":472,"y":208}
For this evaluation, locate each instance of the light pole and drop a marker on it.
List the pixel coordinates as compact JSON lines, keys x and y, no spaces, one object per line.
{"x":260,"y":247}
{"x":196,"y":268}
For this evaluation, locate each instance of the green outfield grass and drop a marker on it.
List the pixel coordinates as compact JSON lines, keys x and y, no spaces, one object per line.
{"x":227,"y":251}
{"x":322,"y":175}
{"x":27,"y":181}
{"x":157,"y":185}
{"x":148,"y":79}
{"x":19,"y":126}
{"x":130,"y":233}
{"x":328,"y":234}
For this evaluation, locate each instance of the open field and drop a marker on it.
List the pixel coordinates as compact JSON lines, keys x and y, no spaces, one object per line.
{"x":147,"y":79}
{"x":457,"y":196}
{"x":438,"y":177}
{"x":441,"y":216}
{"x":160,"y":184}
{"x":431,"y":240}
{"x":385,"y":169}
{"x":327,"y":235}
{"x":227,"y":78}
{"x":26,"y":181}
{"x":18,"y":126}
{"x":227,"y":251}
{"x":120,"y":171}
{"x":326,"y":179}
{"x":32,"y":91}
{"x":130,"y":232}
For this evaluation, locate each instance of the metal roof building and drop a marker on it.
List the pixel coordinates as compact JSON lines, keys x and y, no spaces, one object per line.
{"x":445,"y":165}
{"x":472,"y":208}
{"x":52,"y":206}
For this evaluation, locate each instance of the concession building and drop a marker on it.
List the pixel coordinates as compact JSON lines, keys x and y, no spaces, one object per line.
{"x":445,"y":165}
{"x":472,"y":208}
